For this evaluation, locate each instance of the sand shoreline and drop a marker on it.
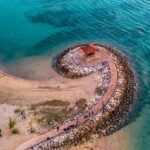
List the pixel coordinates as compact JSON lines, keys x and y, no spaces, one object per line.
{"x":14,"y":90}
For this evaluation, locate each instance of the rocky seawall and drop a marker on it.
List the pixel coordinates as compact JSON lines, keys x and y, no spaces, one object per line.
{"x":100,"y":121}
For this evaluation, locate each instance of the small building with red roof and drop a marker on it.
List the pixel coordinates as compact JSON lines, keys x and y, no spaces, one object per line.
{"x":89,"y":49}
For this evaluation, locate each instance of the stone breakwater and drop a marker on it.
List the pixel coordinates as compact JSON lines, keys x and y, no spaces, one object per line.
{"x":108,"y":111}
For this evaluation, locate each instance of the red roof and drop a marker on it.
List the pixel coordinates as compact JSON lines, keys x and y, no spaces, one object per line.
{"x":89,"y":49}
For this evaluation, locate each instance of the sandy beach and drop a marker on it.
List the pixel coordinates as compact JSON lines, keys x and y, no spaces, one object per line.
{"x":117,"y":141}
{"x":17,"y":91}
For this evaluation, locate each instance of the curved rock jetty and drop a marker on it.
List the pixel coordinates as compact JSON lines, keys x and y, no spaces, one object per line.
{"x":108,"y":111}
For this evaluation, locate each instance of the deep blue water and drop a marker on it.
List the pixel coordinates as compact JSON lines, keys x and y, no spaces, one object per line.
{"x":43,"y":27}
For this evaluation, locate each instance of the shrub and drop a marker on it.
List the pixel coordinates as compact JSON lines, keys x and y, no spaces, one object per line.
{"x":17,"y":110}
{"x":81,"y":103}
{"x":0,"y":133}
{"x":99,"y":91}
{"x":15,"y":130}
{"x":55,"y":115}
{"x":54,"y":102}
{"x":50,"y":111}
{"x":12,"y":123}
{"x":32,"y":130}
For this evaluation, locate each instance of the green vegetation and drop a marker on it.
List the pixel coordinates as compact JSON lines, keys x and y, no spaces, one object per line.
{"x":99,"y":90}
{"x":18,"y":110}
{"x":12,"y":123}
{"x":0,"y":133}
{"x":54,"y":102}
{"x":54,"y":115}
{"x":32,"y":130}
{"x":81,"y":104}
{"x":15,"y":130}
{"x":54,"y":110}
{"x":50,"y":113}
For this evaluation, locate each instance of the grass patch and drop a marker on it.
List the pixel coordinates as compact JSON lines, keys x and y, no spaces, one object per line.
{"x":15,"y":130}
{"x":81,"y":103}
{"x":33,"y":130}
{"x":0,"y":133}
{"x":12,"y":123}
{"x":55,"y":116}
{"x":54,"y":110}
{"x":51,"y":113}
{"x":54,"y":102}
{"x":18,"y":110}
{"x":99,"y":91}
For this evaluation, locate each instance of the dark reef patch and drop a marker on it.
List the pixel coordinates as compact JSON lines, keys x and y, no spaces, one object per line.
{"x":63,"y":18}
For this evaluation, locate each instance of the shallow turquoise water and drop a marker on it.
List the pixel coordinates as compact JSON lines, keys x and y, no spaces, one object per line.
{"x":38,"y":27}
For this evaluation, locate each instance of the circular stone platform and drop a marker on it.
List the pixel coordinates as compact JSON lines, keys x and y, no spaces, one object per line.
{"x":113,"y":101}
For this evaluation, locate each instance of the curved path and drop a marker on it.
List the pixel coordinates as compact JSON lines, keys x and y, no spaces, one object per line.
{"x":99,"y":106}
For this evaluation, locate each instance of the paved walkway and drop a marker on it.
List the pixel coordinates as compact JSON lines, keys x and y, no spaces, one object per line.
{"x":99,"y":106}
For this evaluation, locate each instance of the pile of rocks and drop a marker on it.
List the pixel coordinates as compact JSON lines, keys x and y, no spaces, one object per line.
{"x":67,"y":62}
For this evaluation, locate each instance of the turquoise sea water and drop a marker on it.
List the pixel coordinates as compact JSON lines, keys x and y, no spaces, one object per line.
{"x":43,"y":27}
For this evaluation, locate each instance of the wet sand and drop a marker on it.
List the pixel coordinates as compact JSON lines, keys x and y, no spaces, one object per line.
{"x":32,"y":68}
{"x":17,"y":91}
